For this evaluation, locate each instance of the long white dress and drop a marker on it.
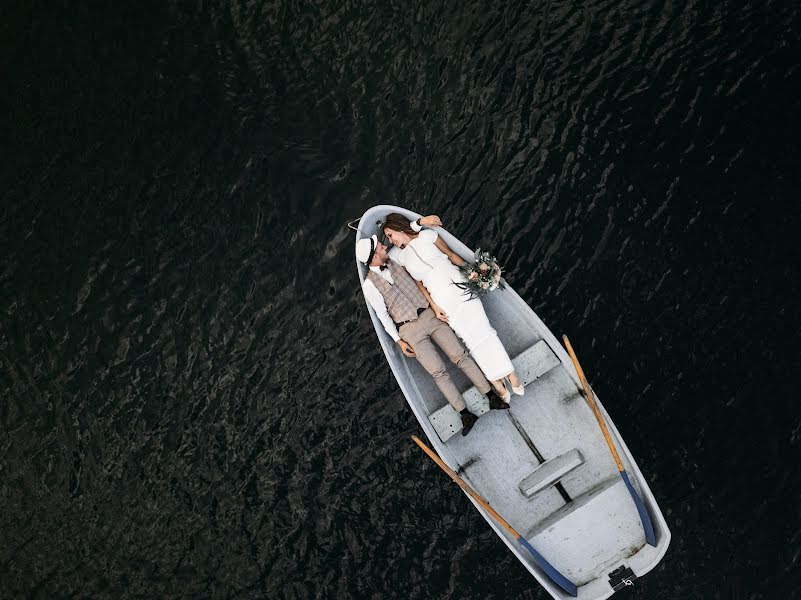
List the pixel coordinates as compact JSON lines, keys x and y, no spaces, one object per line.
{"x":427,"y":263}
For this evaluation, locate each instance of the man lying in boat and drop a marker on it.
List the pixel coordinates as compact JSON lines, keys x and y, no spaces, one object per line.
{"x":404,"y":308}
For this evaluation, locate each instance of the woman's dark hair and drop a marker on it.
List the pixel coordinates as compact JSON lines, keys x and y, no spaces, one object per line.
{"x":397,"y":222}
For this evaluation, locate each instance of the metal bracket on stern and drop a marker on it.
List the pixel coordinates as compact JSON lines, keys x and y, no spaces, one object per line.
{"x":622,"y":577}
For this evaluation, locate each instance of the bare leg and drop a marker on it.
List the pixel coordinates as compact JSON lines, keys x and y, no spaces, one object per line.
{"x":500,"y":387}
{"x":517,"y":385}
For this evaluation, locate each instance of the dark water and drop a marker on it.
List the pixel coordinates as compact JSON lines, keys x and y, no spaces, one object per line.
{"x":193,"y":400}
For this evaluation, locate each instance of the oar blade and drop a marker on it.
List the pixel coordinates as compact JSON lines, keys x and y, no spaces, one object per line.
{"x":560,"y":580}
{"x":647,"y":525}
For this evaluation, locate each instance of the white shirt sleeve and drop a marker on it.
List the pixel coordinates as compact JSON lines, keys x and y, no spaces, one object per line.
{"x":429,"y":235}
{"x":415,"y":226}
{"x":376,"y":300}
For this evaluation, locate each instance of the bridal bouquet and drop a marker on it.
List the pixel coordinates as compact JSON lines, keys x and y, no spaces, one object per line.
{"x":481,"y":276}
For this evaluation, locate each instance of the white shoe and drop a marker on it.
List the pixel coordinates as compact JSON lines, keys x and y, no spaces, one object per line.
{"x":519,"y":390}
{"x":506,"y":397}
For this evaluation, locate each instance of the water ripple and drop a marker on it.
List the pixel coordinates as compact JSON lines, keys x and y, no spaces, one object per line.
{"x":194,"y":403}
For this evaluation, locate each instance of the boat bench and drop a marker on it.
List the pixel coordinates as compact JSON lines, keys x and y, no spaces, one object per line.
{"x":550,"y":472}
{"x":591,"y":530}
{"x":529,"y":364}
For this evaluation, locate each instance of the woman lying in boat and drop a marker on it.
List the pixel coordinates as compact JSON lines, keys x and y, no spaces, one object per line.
{"x":428,"y":259}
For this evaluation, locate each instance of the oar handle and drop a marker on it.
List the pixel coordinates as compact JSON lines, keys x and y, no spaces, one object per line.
{"x":460,"y":482}
{"x":593,"y":405}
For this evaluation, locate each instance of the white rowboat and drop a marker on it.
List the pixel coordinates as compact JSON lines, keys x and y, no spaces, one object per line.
{"x":543,"y":465}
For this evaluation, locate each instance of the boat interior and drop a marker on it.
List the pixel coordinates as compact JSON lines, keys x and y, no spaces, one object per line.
{"x":543,"y":464}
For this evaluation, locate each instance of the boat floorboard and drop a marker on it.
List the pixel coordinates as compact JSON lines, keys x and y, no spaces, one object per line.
{"x":557,"y":418}
{"x":495,"y":470}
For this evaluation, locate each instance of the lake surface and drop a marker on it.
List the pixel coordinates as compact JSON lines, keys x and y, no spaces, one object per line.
{"x":193,"y":402}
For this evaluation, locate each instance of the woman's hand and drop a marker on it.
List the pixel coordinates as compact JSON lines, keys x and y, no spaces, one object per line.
{"x":441,"y":315}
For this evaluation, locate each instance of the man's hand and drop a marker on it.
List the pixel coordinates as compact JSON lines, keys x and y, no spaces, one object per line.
{"x":441,"y":314}
{"x":430,"y":221}
{"x":406,"y":348}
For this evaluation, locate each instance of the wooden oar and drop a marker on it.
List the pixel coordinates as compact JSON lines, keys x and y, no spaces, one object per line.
{"x":644,"y":516}
{"x":562,"y":581}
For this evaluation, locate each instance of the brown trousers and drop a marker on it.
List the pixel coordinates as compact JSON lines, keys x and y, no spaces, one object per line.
{"x":420,"y":333}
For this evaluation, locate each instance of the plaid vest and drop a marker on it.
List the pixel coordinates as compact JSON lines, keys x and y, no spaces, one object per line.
{"x":402,"y":299}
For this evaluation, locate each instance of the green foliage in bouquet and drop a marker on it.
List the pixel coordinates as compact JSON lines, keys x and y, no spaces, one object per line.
{"x":481,"y":276}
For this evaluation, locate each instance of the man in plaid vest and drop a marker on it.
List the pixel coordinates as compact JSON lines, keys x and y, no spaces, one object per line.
{"x":404,"y":309}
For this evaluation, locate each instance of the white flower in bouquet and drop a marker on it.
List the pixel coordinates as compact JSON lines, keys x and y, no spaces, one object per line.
{"x":485,"y":285}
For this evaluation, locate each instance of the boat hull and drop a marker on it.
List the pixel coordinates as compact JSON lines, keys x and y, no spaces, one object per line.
{"x":543,"y":464}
